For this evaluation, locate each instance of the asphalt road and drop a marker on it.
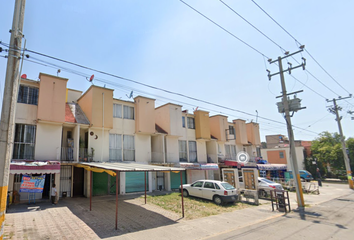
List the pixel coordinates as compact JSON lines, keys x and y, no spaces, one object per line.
{"x":330,"y":220}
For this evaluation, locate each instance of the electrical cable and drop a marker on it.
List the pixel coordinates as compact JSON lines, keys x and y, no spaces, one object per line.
{"x":300,"y":44}
{"x":225,"y":30}
{"x":105,"y":81}
{"x":278,"y":46}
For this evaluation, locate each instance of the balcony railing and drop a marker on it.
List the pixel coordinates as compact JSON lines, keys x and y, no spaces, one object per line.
{"x":67,"y":154}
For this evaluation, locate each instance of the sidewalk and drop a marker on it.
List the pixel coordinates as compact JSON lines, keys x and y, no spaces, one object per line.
{"x":71,"y":218}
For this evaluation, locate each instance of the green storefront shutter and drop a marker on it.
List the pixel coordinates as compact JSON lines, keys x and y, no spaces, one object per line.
{"x":176,"y":179}
{"x":134,"y":182}
{"x":100,"y":184}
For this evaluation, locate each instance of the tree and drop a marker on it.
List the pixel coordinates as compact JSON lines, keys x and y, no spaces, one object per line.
{"x":350,"y":146}
{"x":327,"y":149}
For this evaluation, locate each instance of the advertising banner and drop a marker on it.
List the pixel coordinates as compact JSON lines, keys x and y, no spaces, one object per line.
{"x":32,"y":184}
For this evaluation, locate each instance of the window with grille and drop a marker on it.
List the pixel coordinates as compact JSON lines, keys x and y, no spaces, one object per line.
{"x":281,"y":154}
{"x":190,"y":123}
{"x":231,"y":130}
{"x":117,"y":110}
{"x":24,"y":142}
{"x":192,"y":151}
{"x":128,"y":112}
{"x":182,"y":151}
{"x":27,"y":95}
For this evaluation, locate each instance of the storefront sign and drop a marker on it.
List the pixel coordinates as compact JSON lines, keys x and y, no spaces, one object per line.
{"x":32,"y":184}
{"x":209,"y":166}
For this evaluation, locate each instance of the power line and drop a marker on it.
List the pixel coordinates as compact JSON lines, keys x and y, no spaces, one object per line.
{"x":280,"y":48}
{"x":248,"y":45}
{"x":300,"y":44}
{"x":252,"y":25}
{"x":182,"y":95}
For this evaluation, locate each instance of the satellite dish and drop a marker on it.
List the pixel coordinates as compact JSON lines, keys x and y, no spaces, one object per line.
{"x":24,"y":76}
{"x":91,"y":78}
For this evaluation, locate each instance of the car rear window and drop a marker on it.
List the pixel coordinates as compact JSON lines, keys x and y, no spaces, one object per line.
{"x":227,"y":186}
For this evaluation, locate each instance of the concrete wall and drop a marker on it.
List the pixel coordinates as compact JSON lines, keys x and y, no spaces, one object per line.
{"x":142,"y":148}
{"x":51,"y":99}
{"x":241,"y":132}
{"x":72,"y":95}
{"x":172,"y":149}
{"x":202,"y":125}
{"x":48,"y":141}
{"x":95,"y":102}
{"x":144,"y":115}
{"x":169,"y":118}
{"x":299,"y":156}
{"x":218,"y":124}
{"x":100,"y":142}
{"x":212,"y":150}
{"x":26,"y":113}
{"x":253,"y":134}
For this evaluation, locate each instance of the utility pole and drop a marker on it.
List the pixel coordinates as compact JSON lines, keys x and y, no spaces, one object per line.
{"x":334,"y":110}
{"x":9,"y":106}
{"x":286,"y":106}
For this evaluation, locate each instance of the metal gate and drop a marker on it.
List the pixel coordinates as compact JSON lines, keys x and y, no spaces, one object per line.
{"x":65,"y":180}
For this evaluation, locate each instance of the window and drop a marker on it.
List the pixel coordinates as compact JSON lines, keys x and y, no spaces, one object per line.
{"x":25,"y":136}
{"x":230,"y":151}
{"x":28,"y":95}
{"x":197,"y":184}
{"x":128,"y":112}
{"x":281,"y":154}
{"x":119,"y":150}
{"x":192,"y":151}
{"x":209,"y":185}
{"x":183,"y":121}
{"x":190,"y":123}
{"x":182,"y":145}
{"x":231,"y":130}
{"x":115,"y":147}
{"x":128,"y":148}
{"x":117,"y":110}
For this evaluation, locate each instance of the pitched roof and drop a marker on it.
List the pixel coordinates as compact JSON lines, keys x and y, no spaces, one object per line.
{"x":74,"y":114}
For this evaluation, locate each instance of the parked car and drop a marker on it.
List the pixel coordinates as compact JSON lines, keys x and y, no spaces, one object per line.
{"x":218,"y":191}
{"x":304,"y":175}
{"x":264,"y":186}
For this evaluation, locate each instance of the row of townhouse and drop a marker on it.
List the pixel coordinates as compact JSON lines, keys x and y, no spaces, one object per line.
{"x":57,"y":128}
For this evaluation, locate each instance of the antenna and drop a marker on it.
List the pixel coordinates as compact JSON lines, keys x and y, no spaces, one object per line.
{"x":91,"y":79}
{"x":130,"y":95}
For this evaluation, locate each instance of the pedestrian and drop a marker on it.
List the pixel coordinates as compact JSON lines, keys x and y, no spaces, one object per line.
{"x":54,"y":194}
{"x":319,"y":177}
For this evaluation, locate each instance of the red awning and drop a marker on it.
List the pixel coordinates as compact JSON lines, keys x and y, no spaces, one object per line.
{"x":44,"y":167}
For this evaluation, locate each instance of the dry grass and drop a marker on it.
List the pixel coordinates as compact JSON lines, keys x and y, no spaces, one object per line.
{"x":193,"y":207}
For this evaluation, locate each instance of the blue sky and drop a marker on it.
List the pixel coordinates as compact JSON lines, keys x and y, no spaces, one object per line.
{"x":167,"y":45}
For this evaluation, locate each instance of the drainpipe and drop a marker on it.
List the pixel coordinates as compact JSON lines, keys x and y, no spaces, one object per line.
{"x":102,"y":127}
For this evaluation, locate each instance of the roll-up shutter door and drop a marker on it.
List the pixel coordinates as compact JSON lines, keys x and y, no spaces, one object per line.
{"x":176,"y":179}
{"x":135,"y":182}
